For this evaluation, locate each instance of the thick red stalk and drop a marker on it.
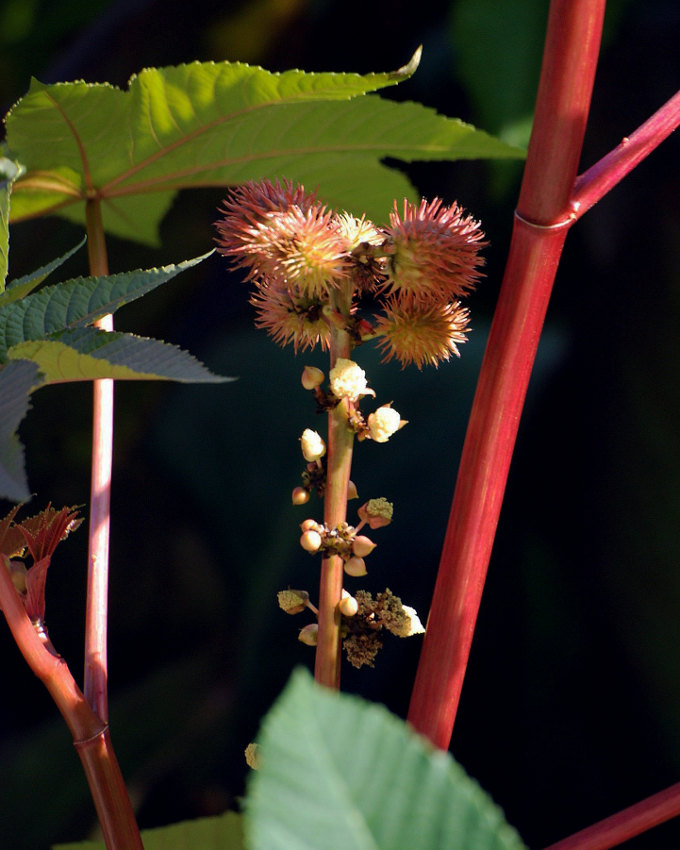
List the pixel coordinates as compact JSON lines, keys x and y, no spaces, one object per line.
{"x":90,"y":733}
{"x":95,"y":681}
{"x":541,"y":224}
{"x":625,"y":824}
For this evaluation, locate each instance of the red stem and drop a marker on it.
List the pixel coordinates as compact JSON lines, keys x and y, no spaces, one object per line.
{"x":96,"y":616}
{"x":542,"y":220}
{"x":90,"y":733}
{"x":626,"y":824}
{"x":604,"y":175}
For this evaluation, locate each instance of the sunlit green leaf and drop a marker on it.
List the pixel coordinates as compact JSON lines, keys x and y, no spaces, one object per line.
{"x":217,"y":124}
{"x":8,"y":172}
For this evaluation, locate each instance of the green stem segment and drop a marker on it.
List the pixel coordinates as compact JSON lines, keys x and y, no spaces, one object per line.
{"x":339,"y":464}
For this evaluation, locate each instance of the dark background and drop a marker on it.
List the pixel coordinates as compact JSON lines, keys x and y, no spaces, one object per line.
{"x":571,"y":708}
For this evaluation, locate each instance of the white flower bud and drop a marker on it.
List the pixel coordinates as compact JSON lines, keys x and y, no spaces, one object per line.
{"x":384,"y":422}
{"x":310,"y":634}
{"x":348,"y":380}
{"x":348,"y":606}
{"x":311,"y":541}
{"x":300,"y":496}
{"x":313,"y":447}
{"x":355,"y":567}
{"x":362,"y":545}
{"x":312,"y":377}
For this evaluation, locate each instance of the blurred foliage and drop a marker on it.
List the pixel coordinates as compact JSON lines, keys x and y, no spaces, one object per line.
{"x":572,"y":703}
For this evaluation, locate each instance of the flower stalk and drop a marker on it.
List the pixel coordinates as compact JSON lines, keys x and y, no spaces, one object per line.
{"x":311,"y":267}
{"x":339,"y":464}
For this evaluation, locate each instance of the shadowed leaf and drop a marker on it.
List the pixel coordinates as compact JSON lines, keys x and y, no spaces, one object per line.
{"x":86,"y":354}
{"x":17,"y":379}
{"x":79,"y":302}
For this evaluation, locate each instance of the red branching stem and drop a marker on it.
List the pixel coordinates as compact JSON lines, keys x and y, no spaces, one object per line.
{"x":541,"y":224}
{"x":625,"y":824}
{"x":96,"y":616}
{"x":90,"y":733}
{"x":593,"y":184}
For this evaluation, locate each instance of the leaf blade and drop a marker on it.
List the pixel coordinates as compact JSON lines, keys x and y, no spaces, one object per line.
{"x":87,"y":354}
{"x":340,"y":772}
{"x":78,"y":302}
{"x":17,"y":380}
{"x":223,"y":832}
{"x":217,"y":124}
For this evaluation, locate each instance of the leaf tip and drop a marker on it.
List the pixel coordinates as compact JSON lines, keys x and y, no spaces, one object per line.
{"x":409,"y":69}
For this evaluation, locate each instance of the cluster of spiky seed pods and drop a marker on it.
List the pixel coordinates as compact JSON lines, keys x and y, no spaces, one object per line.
{"x":331,"y":279}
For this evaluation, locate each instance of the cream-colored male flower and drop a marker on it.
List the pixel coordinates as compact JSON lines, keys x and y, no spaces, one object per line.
{"x":312,"y":444}
{"x":384,"y":422}
{"x":348,"y":380}
{"x":410,"y":625}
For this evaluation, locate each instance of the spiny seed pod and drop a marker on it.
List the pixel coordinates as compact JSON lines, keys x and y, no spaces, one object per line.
{"x":362,"y":546}
{"x":300,"y":496}
{"x":348,"y":606}
{"x":312,"y":377}
{"x":355,"y":567}
{"x":310,"y":634}
{"x":310,"y":541}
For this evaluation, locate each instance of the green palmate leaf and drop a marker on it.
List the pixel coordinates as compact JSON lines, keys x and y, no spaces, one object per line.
{"x":224,"y":832}
{"x":75,"y":303}
{"x":21,"y":287}
{"x":339,"y":772}
{"x":16,"y":381}
{"x":85,"y":354}
{"x":216,"y":124}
